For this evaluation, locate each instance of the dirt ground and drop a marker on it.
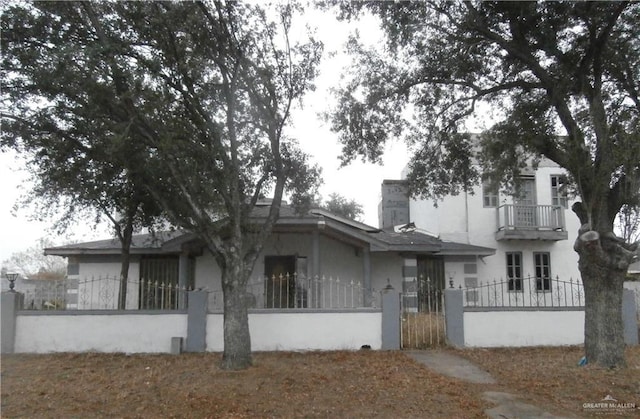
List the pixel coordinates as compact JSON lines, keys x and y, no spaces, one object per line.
{"x":370,"y":384}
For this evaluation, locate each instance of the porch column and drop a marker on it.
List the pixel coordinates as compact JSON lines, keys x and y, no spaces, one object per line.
{"x":366,"y":277}
{"x":410,"y":285}
{"x":183,"y":277}
{"x":315,"y":254}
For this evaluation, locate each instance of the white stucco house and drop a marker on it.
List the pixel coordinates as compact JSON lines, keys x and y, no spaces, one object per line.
{"x":532,"y":233}
{"x":315,"y":260}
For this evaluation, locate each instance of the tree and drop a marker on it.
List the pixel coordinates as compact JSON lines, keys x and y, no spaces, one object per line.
{"x":340,"y":205}
{"x":81,"y":158}
{"x":199,"y":94}
{"x":629,"y":223}
{"x":563,"y":81}
{"x":32,"y":263}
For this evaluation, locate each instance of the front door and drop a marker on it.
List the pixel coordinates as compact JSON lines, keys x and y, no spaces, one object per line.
{"x":431,"y":283}
{"x":525,"y":201}
{"x":423,"y":320}
{"x":281,"y":281}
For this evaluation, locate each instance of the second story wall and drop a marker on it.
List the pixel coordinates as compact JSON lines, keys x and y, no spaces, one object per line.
{"x":524,"y":226}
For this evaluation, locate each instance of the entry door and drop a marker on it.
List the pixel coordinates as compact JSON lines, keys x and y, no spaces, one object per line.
{"x":525,"y":201}
{"x":431,"y":283}
{"x":281,"y":284}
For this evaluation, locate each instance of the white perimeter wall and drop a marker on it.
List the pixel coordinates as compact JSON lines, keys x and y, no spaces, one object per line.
{"x":301,"y":331}
{"x":129,"y":333}
{"x":152,"y":333}
{"x":523,"y":328}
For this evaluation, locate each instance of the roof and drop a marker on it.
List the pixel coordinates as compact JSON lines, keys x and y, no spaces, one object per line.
{"x":335,"y":226}
{"x":140,"y":243}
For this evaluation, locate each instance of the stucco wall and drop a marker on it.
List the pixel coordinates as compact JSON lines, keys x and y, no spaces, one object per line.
{"x":152,"y":333}
{"x":477,"y":226}
{"x":298,"y":331}
{"x":386,"y":266}
{"x":96,"y":292}
{"x":523,"y":328}
{"x":101,"y":266}
{"x":129,"y":333}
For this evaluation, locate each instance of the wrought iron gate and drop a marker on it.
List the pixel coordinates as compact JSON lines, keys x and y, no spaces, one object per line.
{"x":422,"y":315}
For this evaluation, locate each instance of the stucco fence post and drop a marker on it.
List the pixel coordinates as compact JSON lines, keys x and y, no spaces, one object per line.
{"x":197,"y":321}
{"x":11,"y":303}
{"x":390,"y":319}
{"x":631,"y":329}
{"x":454,"y":317}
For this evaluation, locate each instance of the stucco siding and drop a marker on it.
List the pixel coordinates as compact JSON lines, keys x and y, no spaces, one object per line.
{"x":304,"y":331}
{"x":464,"y":219}
{"x":129,"y":333}
{"x":523,"y":328}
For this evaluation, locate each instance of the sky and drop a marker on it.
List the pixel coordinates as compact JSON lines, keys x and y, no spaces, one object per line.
{"x":359,"y":181}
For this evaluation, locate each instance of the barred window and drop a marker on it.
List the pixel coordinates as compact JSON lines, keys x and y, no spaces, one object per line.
{"x":542,"y":263}
{"x":514,"y":270}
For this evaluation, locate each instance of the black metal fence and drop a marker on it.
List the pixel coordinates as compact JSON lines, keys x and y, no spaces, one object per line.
{"x":526,"y":292}
{"x":101,"y":293}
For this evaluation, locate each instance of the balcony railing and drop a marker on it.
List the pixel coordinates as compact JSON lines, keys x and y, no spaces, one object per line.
{"x":530,"y":222}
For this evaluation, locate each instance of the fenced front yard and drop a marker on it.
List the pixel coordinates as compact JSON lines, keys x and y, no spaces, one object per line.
{"x":82,"y":315}
{"x":533,"y":311}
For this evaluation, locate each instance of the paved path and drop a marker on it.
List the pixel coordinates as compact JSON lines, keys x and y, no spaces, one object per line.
{"x":507,"y":406}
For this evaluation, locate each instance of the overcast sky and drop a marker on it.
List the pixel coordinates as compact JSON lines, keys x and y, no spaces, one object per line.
{"x":357,"y":181}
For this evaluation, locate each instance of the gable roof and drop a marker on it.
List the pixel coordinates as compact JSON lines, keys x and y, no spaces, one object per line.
{"x":332,"y":225}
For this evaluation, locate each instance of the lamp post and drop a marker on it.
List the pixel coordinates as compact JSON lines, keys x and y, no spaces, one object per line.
{"x":12,"y":276}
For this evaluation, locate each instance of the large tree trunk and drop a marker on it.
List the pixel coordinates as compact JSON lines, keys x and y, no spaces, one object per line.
{"x":603,"y":264}
{"x":237,"y":340}
{"x":125,"y":240}
{"x":603,"y":328}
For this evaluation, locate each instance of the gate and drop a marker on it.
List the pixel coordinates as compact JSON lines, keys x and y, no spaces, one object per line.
{"x":422,"y":315}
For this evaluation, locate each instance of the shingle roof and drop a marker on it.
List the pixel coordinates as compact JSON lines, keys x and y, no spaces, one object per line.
{"x":139,"y":243}
{"x":410,"y":241}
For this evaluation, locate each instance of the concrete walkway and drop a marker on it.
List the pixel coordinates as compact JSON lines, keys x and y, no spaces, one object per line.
{"x":507,"y":406}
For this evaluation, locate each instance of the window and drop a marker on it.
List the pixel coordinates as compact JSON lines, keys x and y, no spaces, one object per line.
{"x":542,"y":263}
{"x":559,"y":190}
{"x":158,"y":288}
{"x":489,"y":195}
{"x":514,"y":270}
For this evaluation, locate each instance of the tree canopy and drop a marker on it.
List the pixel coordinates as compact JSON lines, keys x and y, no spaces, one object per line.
{"x":340,"y":205}
{"x":192,"y":100}
{"x":33,"y":264}
{"x":563,"y":82}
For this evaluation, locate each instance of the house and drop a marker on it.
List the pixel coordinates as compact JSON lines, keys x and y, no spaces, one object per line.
{"x":532,"y":233}
{"x":314,"y":260}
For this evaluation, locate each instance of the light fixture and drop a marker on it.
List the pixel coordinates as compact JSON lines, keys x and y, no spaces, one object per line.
{"x":12,"y":276}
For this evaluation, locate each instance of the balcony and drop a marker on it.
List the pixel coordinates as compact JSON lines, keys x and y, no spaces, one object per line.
{"x":531,"y":222}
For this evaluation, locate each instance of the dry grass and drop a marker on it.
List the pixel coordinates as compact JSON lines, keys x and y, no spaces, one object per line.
{"x":332,"y":384}
{"x":551,"y":376}
{"x":368,"y":384}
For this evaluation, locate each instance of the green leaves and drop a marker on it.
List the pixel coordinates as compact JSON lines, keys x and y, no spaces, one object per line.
{"x":558,"y":75}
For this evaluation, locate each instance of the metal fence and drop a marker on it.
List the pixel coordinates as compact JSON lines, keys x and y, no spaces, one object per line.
{"x":295,"y":291}
{"x":276,"y":292}
{"x":422,"y":315}
{"x":101,"y":293}
{"x":526,"y":292}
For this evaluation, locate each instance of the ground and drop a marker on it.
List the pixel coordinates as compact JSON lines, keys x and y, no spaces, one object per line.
{"x":315,"y":384}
